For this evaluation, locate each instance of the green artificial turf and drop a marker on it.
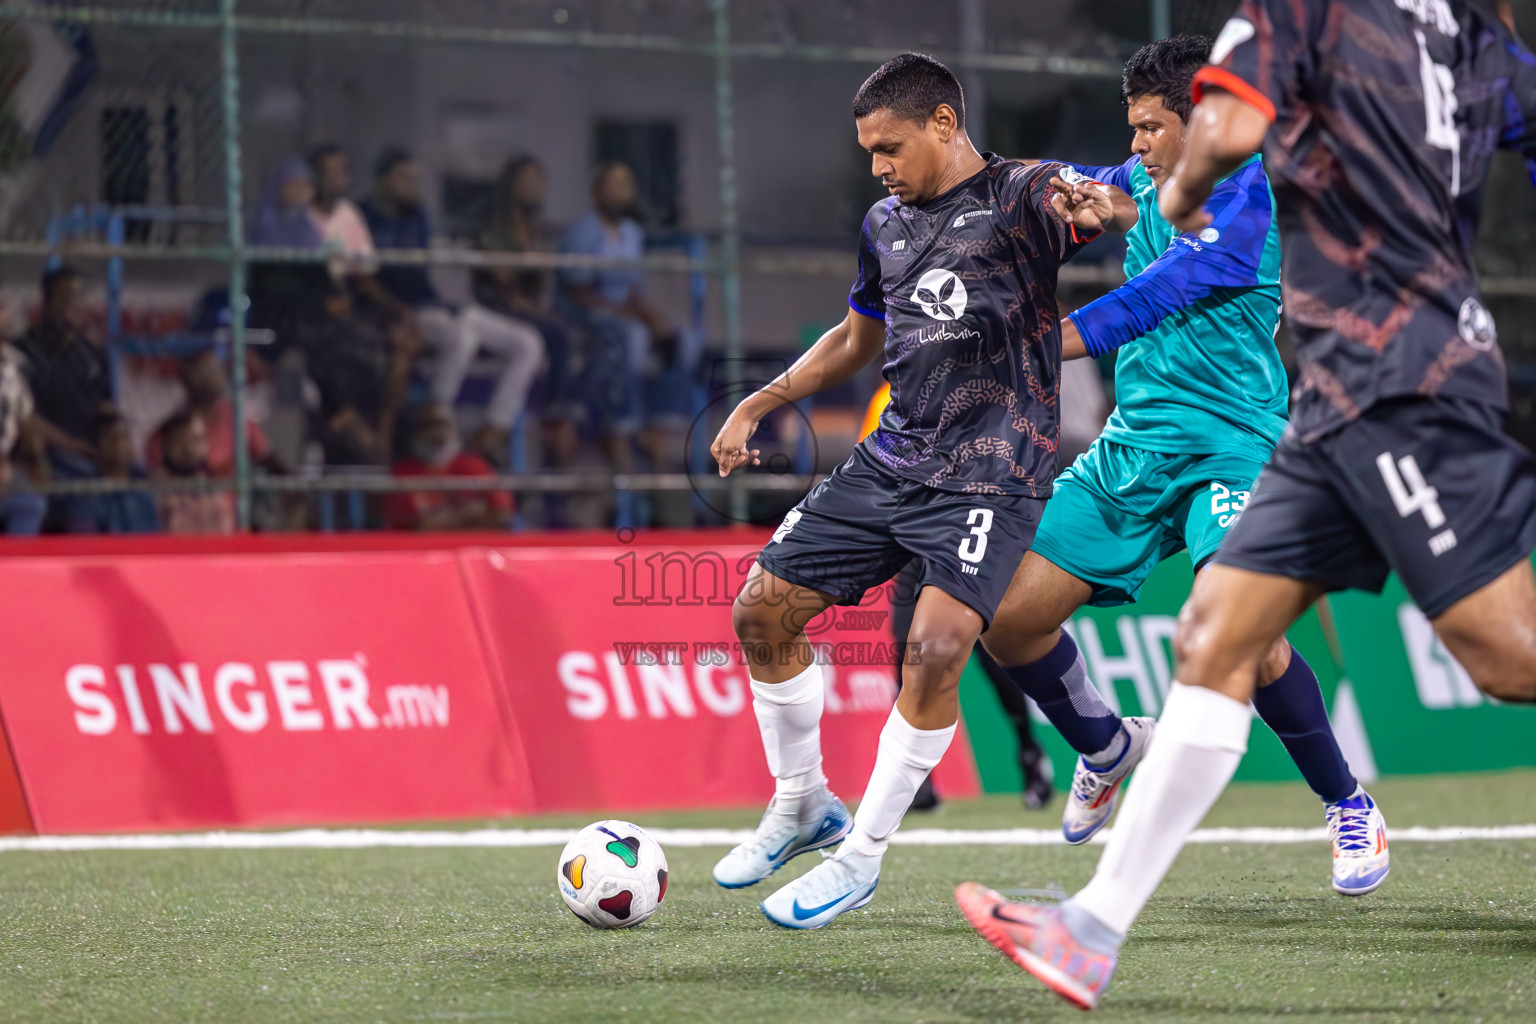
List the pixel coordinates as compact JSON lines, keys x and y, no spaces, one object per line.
{"x":1237,"y":933}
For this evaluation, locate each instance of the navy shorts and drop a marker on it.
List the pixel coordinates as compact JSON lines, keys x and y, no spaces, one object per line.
{"x":1429,"y":488}
{"x":863,"y":523}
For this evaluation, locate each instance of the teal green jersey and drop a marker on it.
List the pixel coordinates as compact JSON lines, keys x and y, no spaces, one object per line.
{"x":1195,"y":322}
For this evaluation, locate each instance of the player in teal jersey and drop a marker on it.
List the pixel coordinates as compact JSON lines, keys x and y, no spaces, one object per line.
{"x":1201,"y":403}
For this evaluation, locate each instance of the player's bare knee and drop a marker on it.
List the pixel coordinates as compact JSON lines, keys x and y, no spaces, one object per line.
{"x":1190,"y":643}
{"x":1512,"y":681}
{"x":1004,"y":648}
{"x":1018,"y":647}
{"x":939,"y":656}
{"x":757,"y":621}
{"x":1276,"y":660}
{"x":1202,"y":656}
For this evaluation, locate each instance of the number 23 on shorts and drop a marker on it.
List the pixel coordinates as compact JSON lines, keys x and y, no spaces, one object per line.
{"x":1227,"y":504}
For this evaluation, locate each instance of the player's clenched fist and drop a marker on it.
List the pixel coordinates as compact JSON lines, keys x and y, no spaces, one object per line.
{"x":1082,"y":202}
{"x":730,"y":448}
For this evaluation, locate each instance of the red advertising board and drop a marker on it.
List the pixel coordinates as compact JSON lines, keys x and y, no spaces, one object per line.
{"x":181,"y":692}
{"x":13,"y":806}
{"x":342,"y":683}
{"x":622,"y":672}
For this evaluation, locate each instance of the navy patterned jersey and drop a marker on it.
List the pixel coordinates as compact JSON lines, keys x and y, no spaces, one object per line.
{"x":966,"y":285}
{"x":1386,"y":114}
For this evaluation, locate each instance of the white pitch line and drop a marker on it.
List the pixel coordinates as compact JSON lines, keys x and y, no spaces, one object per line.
{"x":359,"y":839}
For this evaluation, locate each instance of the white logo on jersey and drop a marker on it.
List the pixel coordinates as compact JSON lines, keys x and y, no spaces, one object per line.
{"x":1431,"y":12}
{"x":1209,"y":235}
{"x":941,"y":294}
{"x":1235,"y":33}
{"x":898,"y":245}
{"x":790,"y":519}
{"x":1476,"y":325}
{"x":960,"y":220}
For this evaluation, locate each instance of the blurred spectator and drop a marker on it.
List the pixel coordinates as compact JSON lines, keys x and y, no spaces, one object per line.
{"x":362,"y":374}
{"x":286,"y":216}
{"x":436,"y":453}
{"x":67,"y":373}
{"x":623,"y":329}
{"x":207,"y":385}
{"x":344,"y":231}
{"x":283,"y":295}
{"x":184,"y":442}
{"x":341,"y":223}
{"x":515,"y":223}
{"x":126,"y":511}
{"x":397,"y":217}
{"x":22,"y":512}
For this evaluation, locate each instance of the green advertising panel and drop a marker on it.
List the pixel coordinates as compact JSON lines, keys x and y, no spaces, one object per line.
{"x":1129,"y":655}
{"x":1420,"y":711}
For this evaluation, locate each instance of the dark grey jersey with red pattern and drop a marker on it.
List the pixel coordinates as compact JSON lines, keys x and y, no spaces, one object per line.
{"x":1386,"y":117}
{"x":966,"y":285}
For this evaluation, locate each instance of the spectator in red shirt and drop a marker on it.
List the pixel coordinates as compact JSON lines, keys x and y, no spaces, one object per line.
{"x":207,"y":384}
{"x":436,"y":452}
{"x":184,"y":440}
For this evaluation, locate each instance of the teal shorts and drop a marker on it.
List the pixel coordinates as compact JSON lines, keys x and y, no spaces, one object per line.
{"x":1118,"y":511}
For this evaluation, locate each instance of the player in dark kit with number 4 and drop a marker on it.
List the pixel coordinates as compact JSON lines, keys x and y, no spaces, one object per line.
{"x":1379,"y":119}
{"x":957,"y":287}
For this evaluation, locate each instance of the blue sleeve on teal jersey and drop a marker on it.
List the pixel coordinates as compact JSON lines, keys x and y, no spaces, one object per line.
{"x":1227,"y":254}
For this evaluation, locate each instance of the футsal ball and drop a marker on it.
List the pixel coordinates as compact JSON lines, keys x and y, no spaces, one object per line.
{"x":612,"y":874}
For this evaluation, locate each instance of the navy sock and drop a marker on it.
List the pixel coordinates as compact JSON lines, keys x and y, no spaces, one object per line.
{"x":1059,"y":683}
{"x":1293,"y":707}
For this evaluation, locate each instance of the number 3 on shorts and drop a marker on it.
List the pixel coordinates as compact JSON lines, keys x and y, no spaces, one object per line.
{"x":974,"y":546}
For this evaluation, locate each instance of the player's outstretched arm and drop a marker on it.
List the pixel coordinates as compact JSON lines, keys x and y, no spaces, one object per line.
{"x":1223,"y":132}
{"x":837,"y":355}
{"x":1072,"y":346}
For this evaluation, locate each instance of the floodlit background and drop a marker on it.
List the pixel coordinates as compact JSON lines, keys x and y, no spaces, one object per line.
{"x":484,"y":694}
{"x":135,"y":134}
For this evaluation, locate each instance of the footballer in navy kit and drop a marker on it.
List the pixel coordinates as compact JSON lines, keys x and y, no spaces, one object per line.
{"x":1378,"y":120}
{"x":957,"y":288}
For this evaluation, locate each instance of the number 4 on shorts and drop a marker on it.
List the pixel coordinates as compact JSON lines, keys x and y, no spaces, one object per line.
{"x":1410,"y":493}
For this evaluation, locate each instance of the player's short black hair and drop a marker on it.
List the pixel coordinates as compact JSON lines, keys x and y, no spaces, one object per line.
{"x":911,"y":86}
{"x":1166,"y":68}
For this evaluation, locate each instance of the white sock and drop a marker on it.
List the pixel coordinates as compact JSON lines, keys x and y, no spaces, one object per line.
{"x":789,"y":717}
{"x":1200,"y":739}
{"x":905,"y":758}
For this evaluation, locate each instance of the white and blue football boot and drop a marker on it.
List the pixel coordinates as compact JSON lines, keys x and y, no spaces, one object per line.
{"x":819,"y":821}
{"x":1096,"y":791}
{"x":816,"y":898}
{"x":1359,"y":833}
